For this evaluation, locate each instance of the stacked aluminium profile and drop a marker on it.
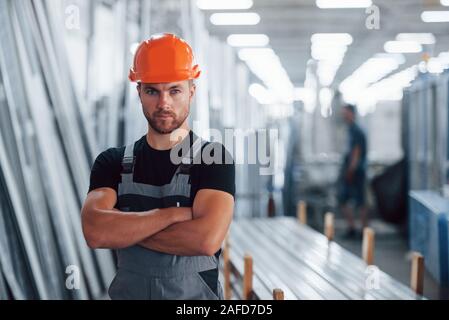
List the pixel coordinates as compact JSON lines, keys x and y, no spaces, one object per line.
{"x":44,"y":163}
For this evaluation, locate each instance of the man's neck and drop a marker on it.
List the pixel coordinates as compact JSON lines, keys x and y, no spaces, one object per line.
{"x":167,"y":141}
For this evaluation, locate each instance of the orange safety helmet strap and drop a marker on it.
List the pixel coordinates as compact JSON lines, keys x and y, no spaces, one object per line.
{"x":163,"y":58}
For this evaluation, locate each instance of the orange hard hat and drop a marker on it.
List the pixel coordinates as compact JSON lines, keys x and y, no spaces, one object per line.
{"x":163,"y":58}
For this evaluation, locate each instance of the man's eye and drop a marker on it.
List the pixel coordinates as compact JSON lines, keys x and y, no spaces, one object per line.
{"x":151,"y":92}
{"x":175,"y":91}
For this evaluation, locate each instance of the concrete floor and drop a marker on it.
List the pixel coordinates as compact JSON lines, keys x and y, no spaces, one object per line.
{"x":391,"y":255}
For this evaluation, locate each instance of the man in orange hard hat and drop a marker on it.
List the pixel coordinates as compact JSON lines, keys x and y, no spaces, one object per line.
{"x":166,"y":218}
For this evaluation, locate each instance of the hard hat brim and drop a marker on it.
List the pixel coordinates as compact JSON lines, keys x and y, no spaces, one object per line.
{"x":148,"y":77}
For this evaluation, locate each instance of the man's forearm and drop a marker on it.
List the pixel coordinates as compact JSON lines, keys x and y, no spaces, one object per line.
{"x":117,"y":229}
{"x":203,"y":236}
{"x":185,"y":239}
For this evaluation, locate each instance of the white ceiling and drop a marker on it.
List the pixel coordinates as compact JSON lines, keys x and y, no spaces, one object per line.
{"x":290,"y":24}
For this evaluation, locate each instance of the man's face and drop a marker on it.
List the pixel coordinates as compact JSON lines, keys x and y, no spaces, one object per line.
{"x":166,"y":105}
{"x":347,"y":115}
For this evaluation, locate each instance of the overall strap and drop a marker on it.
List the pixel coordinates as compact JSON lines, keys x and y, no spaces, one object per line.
{"x":128,"y":162}
{"x":192,"y":157}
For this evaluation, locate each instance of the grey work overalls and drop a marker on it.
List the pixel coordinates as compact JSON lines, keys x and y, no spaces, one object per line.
{"x":147,"y":274}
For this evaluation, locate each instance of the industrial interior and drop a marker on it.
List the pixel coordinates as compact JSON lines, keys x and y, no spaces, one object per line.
{"x":281,"y":73}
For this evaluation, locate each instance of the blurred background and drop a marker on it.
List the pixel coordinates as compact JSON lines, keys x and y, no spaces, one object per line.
{"x":285,"y":65}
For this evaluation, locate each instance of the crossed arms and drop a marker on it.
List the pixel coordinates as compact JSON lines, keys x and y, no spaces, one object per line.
{"x":199,"y":230}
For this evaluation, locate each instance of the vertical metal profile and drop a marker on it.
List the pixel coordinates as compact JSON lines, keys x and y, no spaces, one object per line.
{"x":11,"y":77}
{"x":3,"y":290}
{"x":103,"y":257}
{"x":23,"y":224}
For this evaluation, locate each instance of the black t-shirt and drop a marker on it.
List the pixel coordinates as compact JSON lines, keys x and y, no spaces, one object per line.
{"x":356,"y":138}
{"x":155,"y":167}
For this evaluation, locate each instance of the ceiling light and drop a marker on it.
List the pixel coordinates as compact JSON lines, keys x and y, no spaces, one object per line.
{"x":434,"y":65}
{"x":435,"y":16}
{"x":369,"y":72}
{"x":444,"y":58}
{"x":326,"y":73}
{"x":240,"y":18}
{"x":333,"y":38}
{"x":423,"y":38}
{"x":255,"y":53}
{"x":266,"y":65}
{"x":398,"y":57}
{"x":402,"y":47}
{"x":248,"y":40}
{"x":328,"y":55}
{"x":325,"y":96}
{"x":260,"y":93}
{"x":325,"y":47}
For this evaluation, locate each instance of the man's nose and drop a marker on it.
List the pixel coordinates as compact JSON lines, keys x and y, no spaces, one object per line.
{"x":164,"y":100}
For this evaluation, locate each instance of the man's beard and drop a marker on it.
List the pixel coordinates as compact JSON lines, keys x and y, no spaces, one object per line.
{"x":165,"y":125}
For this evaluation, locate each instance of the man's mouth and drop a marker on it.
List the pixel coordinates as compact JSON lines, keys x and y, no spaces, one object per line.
{"x":164,"y":116}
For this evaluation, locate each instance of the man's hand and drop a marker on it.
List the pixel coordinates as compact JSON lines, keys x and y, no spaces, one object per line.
{"x":354,"y":162}
{"x":181,"y":214}
{"x":212,"y":215}
{"x":106,"y":227}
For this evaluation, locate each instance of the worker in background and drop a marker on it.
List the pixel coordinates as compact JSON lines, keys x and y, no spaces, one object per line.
{"x":166,"y":219}
{"x":351,"y":184}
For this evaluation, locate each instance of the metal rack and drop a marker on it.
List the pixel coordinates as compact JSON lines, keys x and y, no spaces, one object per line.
{"x":425,"y":131}
{"x":425,"y":140}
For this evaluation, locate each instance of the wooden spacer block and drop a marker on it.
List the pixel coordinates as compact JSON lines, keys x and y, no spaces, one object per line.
{"x":247,"y":277}
{"x":227,"y":271}
{"x":301,"y":212}
{"x":368,"y":246}
{"x":417,"y":274}
{"x":329,"y":229}
{"x":278,"y":294}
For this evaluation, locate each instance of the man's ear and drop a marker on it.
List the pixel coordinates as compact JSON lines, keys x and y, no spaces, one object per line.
{"x":192,"y":90}
{"x":139,"y":88}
